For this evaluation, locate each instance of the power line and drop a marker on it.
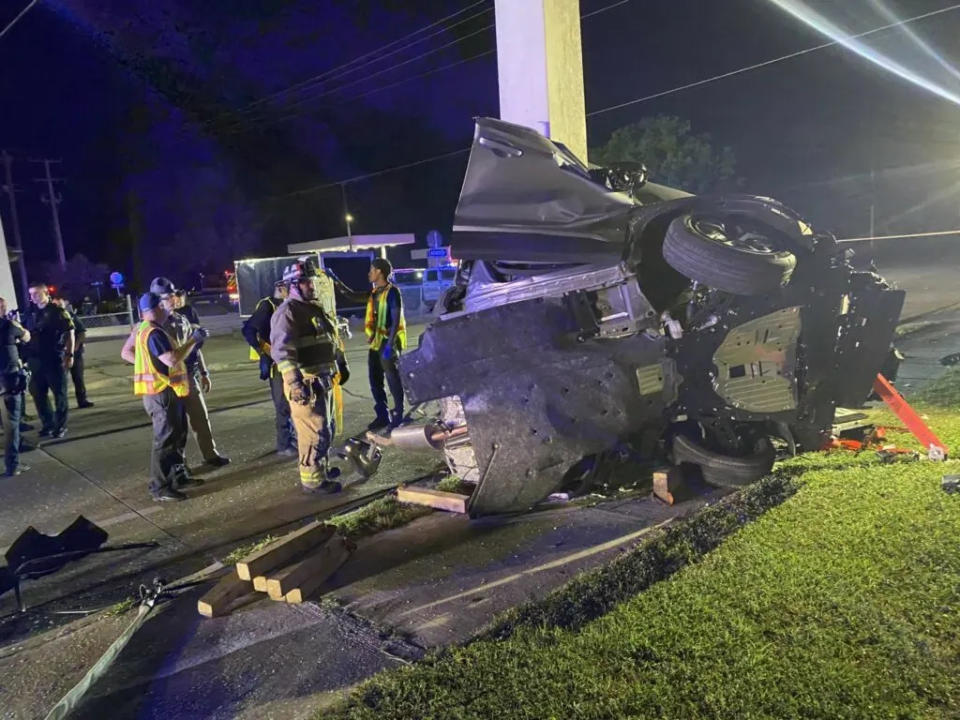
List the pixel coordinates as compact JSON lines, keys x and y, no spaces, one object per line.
{"x":603,"y":9}
{"x":937,"y":233}
{"x":240,"y":125}
{"x":345,"y":181}
{"x":346,"y":68}
{"x":772,"y":61}
{"x":375,"y":90}
{"x":17,"y":18}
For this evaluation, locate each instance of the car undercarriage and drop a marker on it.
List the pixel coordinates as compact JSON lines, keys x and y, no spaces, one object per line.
{"x":594,"y":309}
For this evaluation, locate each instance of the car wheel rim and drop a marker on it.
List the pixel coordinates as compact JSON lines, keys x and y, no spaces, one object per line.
{"x":746,"y":242}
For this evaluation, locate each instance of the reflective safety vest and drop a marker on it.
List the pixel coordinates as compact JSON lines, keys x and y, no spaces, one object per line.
{"x":264,"y":346}
{"x":375,"y":323}
{"x":147,"y":379}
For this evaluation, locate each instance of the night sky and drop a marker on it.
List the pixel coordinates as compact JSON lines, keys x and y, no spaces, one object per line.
{"x":166,"y":171}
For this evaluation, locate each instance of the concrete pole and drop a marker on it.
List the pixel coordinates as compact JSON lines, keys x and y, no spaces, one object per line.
{"x":540,"y":69}
{"x":15,"y":219}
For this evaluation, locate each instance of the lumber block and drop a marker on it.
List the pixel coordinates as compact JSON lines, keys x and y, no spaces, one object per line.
{"x":218,"y":598}
{"x":670,"y":486}
{"x":452,"y":502}
{"x":312,"y":572}
{"x":280,"y":552}
{"x":260,"y":583}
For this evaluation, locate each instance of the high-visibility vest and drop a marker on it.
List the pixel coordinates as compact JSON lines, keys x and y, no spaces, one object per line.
{"x":375,"y":323}
{"x":147,"y":379}
{"x":264,"y":346}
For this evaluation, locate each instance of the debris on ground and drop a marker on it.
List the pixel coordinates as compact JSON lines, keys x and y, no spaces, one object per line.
{"x":950,"y":484}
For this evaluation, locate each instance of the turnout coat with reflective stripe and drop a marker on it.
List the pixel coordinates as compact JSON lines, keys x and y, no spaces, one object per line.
{"x":303,"y":340}
{"x":147,"y":378}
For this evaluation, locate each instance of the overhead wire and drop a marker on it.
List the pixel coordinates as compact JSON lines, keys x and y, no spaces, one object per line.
{"x":13,"y":22}
{"x":369,"y":58}
{"x":772,"y":61}
{"x":244,"y":125}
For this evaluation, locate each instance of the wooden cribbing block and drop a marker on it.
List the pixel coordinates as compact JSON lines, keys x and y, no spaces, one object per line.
{"x":669,"y":485}
{"x":453,"y":502}
{"x":260,"y":583}
{"x":218,"y":598}
{"x":312,"y":572}
{"x":279,"y":553}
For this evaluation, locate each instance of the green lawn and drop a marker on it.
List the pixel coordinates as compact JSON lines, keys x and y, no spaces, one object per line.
{"x":841,"y":602}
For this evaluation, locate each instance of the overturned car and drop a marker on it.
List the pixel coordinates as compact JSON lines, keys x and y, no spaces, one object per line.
{"x":594,"y":309}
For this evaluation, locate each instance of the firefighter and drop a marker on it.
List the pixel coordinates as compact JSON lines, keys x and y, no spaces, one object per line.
{"x":256,"y":331}
{"x":160,"y":378}
{"x":180,"y":328}
{"x":305,"y":347}
{"x":386,"y":332}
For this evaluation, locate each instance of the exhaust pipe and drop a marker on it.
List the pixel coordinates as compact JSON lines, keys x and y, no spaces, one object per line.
{"x":419,"y":437}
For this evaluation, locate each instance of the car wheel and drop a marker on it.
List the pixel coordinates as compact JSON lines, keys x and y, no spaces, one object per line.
{"x":725,"y":470}
{"x":700,"y":248}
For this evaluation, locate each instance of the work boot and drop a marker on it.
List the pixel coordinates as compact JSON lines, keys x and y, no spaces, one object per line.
{"x":187,"y":481}
{"x":57,"y":434}
{"x":83,"y":404}
{"x":379,"y":423}
{"x":218,"y":461}
{"x":327,"y":487}
{"x":168,"y":495}
{"x":13,"y":472}
{"x":396,"y":418}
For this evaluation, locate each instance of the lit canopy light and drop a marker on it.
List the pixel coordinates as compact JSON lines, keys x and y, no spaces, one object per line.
{"x":917,"y":53}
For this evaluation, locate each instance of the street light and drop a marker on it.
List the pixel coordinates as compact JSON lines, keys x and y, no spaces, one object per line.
{"x":349,"y":218}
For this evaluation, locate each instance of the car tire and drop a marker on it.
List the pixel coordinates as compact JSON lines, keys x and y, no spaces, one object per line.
{"x":724,"y":470}
{"x":697,"y":246}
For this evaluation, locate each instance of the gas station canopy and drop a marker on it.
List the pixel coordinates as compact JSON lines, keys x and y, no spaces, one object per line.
{"x":378,"y":243}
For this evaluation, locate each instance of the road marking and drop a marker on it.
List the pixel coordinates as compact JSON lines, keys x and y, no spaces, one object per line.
{"x":579,"y":555}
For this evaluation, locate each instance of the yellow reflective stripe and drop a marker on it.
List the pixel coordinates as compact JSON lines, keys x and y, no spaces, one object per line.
{"x":285,"y":366}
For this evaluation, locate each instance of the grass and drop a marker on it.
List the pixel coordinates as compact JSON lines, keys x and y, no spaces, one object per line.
{"x":944,"y":392}
{"x":121,"y":607}
{"x":382,"y":514}
{"x":241,"y":551}
{"x":841,"y":602}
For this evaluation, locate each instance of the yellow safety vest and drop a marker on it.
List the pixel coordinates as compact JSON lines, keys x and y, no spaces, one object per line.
{"x":375,"y":324}
{"x":147,"y":379}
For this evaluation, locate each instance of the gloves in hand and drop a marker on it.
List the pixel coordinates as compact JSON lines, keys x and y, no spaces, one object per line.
{"x":343,"y":367}
{"x":200,"y":334}
{"x":299,"y":393}
{"x":386,"y":352}
{"x":265,"y":364}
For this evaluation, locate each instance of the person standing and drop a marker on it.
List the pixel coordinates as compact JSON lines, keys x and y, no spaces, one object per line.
{"x":179,"y":327}
{"x":304,"y":345}
{"x":386,"y":331}
{"x":50,"y":358}
{"x":186,"y":309}
{"x":160,"y":378}
{"x":256,"y":331}
{"x":13,"y":385}
{"x":80,"y":338}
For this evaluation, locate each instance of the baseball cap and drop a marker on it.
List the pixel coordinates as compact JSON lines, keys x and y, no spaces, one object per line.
{"x":162,"y":286}
{"x":148,"y":301}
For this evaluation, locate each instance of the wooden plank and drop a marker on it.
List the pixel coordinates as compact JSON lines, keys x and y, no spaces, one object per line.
{"x":321,"y":566}
{"x":260,"y":583}
{"x":283,"y":550}
{"x":218,"y":598}
{"x":670,"y":485}
{"x":317,"y":562}
{"x":452,"y":502}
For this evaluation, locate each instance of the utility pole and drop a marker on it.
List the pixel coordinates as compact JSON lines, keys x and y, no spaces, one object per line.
{"x":53,"y":198}
{"x":11,"y":191}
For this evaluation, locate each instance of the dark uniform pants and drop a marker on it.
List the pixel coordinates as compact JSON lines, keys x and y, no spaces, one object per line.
{"x":76,"y":373}
{"x":196,"y":408}
{"x":169,"y":419}
{"x":314,"y":426}
{"x":286,"y":435}
{"x":379,"y":369}
{"x":12,"y":408}
{"x":50,"y":378}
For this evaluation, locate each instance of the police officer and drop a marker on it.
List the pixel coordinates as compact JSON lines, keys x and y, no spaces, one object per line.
{"x":256,"y":331}
{"x":76,"y":372}
{"x":180,"y":328}
{"x":160,"y":378}
{"x":50,"y":357}
{"x":305,"y":347}
{"x":12,"y":385}
{"x":386,"y":331}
